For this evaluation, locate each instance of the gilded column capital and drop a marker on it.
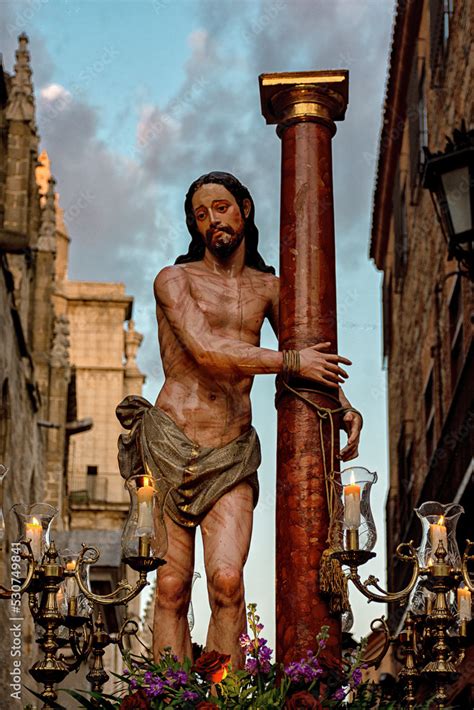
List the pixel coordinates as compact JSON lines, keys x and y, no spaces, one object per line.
{"x":295,"y":97}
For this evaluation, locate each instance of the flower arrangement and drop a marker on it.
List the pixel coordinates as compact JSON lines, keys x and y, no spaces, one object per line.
{"x":315,"y":681}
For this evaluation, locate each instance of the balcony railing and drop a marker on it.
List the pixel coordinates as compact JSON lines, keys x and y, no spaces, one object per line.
{"x":106,"y":488}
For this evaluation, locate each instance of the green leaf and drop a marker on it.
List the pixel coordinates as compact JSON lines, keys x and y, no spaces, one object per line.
{"x":51,"y":703}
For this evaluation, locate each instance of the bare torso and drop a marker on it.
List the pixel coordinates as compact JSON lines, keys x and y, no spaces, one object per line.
{"x":213,"y":408}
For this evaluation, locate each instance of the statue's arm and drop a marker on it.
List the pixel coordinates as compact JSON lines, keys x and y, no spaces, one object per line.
{"x":189,"y":325}
{"x":351,"y":421}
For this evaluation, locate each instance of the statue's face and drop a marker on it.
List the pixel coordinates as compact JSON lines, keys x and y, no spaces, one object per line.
{"x":219,"y":219}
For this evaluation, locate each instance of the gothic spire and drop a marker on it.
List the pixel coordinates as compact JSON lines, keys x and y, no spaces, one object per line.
{"x":47,"y":232}
{"x":21,"y":102}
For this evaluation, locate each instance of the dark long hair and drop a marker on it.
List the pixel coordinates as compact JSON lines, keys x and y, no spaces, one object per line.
{"x":197,"y":247}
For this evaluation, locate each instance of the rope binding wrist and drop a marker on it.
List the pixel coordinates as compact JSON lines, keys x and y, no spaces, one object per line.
{"x":291,"y":364}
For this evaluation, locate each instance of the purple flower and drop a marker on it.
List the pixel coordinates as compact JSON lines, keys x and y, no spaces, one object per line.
{"x":155,"y":689}
{"x":133,"y":683}
{"x":306,"y":670}
{"x":357,"y":676}
{"x":251,"y":666}
{"x":340,"y":694}
{"x":245,"y":643}
{"x":190,"y":695}
{"x":176,"y":678}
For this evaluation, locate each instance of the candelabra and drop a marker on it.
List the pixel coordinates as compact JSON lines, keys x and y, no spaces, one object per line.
{"x":59,"y":593}
{"x":431,"y":644}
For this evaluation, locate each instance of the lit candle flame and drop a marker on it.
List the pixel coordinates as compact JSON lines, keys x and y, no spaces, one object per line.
{"x":441,"y":520}
{"x":35,"y":521}
{"x":146,"y":481}
{"x":352,"y":478}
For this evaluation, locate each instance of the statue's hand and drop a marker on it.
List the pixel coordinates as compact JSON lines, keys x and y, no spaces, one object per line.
{"x":352,"y":424}
{"x":320,"y":366}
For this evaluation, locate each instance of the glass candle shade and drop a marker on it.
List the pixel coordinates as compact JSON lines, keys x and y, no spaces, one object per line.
{"x":34,"y":523}
{"x":356,"y":483}
{"x":144,"y":533}
{"x":439,"y":523}
{"x":76,"y":604}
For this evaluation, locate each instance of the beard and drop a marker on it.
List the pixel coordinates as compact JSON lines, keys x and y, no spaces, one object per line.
{"x":226,"y":243}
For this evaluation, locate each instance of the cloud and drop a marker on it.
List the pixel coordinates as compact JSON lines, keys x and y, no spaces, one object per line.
{"x":55,"y":92}
{"x":130,"y":222}
{"x":109,"y":210}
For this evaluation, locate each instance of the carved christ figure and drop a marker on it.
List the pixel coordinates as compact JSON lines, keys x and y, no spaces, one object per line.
{"x":199,"y":438}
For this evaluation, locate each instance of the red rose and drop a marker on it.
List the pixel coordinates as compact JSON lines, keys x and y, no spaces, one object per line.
{"x":213,"y":666}
{"x":136,"y":701}
{"x":302,"y":699}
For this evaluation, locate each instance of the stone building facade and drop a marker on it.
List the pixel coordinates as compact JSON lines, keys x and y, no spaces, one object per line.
{"x":427,"y":309}
{"x":67,"y":357}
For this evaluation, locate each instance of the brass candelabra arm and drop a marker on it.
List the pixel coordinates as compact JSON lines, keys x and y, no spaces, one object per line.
{"x":122,"y":594}
{"x":377,"y":660}
{"x":384,"y":596}
{"x":81,"y":645}
{"x":466,"y":558}
{"x":6,"y":593}
{"x":130,"y":628}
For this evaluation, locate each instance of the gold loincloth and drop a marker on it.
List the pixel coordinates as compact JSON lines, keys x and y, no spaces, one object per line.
{"x":189,"y":478}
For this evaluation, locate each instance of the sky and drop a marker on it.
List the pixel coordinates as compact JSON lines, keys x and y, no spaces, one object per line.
{"x":135,"y":99}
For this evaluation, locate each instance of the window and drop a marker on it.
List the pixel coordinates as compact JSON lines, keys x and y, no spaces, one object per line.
{"x":429,"y":417}
{"x":387,"y":313}
{"x":441,"y":12}
{"x":417,"y":116}
{"x":400,"y":227}
{"x":405,"y":473}
{"x":92,"y":470}
{"x":456,"y":333}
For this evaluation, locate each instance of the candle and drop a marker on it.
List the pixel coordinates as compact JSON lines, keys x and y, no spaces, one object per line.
{"x":60,"y":599}
{"x":352,"y":504}
{"x":438,"y":533}
{"x":145,"y":508}
{"x":34,"y":531}
{"x":464,"y":604}
{"x":71,"y":583}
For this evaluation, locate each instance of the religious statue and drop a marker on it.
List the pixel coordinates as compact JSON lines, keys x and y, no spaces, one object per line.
{"x":198,"y":440}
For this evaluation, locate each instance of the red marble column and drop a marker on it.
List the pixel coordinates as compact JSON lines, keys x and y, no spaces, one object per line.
{"x":304,"y":113}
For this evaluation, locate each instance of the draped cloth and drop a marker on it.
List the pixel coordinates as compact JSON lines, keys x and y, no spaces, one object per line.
{"x":189,"y":478}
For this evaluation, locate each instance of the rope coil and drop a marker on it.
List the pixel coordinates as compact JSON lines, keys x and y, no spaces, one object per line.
{"x":332,"y":579}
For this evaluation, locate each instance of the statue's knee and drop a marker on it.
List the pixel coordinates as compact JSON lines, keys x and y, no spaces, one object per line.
{"x":227,"y":587}
{"x":173,"y":592}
